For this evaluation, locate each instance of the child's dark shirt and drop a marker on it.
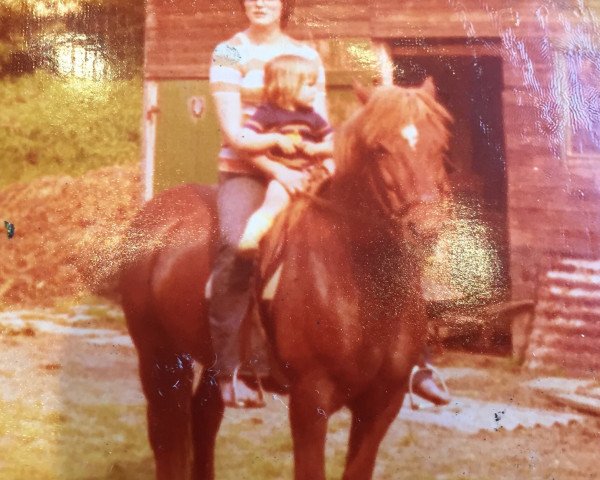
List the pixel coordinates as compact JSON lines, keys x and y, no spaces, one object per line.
{"x":305,"y":122}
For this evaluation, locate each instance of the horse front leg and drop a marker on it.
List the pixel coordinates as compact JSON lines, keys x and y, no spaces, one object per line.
{"x":167,"y":383}
{"x":372,"y":415}
{"x":207,"y":410}
{"x":310,"y":406}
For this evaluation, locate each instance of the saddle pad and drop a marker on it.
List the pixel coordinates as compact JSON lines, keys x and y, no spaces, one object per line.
{"x":268,"y":291}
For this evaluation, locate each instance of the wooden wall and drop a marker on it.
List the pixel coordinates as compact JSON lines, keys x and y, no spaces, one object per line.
{"x":180,"y":34}
{"x":553,"y":197}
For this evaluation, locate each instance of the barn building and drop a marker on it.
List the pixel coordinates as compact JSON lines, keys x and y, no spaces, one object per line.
{"x":522,"y":82}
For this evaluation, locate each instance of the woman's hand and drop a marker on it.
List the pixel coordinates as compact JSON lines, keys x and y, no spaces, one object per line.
{"x":293,"y":181}
{"x":321,"y":149}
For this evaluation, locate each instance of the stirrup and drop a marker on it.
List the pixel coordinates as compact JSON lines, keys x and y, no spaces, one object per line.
{"x":259,"y":389}
{"x":427,"y":368}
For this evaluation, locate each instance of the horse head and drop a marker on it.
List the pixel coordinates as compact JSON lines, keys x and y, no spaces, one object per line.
{"x":397,"y":143}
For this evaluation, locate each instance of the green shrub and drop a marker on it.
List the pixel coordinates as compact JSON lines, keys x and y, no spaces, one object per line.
{"x":53,"y":125}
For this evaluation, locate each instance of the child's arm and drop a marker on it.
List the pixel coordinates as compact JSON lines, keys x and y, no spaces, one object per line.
{"x":253,"y":141}
{"x":318,"y":149}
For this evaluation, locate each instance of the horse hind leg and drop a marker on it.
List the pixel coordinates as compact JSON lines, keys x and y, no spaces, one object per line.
{"x":207,"y":412}
{"x":167,"y":379}
{"x":372,"y":415}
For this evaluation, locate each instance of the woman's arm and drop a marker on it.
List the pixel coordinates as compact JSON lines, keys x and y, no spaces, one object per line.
{"x":229,"y":114}
{"x":253,"y":141}
{"x":318,"y":149}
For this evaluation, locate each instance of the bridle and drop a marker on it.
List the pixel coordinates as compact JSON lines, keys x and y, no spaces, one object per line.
{"x":392,"y":218}
{"x":380,"y":189}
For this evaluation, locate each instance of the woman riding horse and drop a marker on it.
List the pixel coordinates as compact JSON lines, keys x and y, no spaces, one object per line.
{"x":236,"y":79}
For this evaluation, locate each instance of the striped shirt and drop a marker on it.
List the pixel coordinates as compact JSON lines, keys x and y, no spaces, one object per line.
{"x":237,"y":69}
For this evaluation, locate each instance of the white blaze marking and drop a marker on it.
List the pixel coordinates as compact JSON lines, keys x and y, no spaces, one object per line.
{"x":411,"y":135}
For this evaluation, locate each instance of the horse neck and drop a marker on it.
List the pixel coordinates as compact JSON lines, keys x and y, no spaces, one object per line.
{"x":350,"y":188}
{"x":356,"y":206}
{"x":383,"y":267}
{"x":358,"y":215}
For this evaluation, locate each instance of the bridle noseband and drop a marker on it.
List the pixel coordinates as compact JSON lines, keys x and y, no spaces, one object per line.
{"x":380,"y":189}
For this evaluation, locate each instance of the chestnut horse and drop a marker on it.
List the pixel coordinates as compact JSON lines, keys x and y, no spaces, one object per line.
{"x":347,"y":319}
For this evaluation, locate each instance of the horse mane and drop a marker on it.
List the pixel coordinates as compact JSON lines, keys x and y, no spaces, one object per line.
{"x":381,"y":119}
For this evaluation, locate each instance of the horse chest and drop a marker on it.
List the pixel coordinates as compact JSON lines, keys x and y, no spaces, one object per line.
{"x":385,"y":278}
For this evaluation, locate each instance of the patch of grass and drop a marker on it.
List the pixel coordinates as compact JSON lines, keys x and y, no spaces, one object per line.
{"x":105,"y":318}
{"x":53,"y":125}
{"x":66,"y":304}
{"x":104,"y":313}
{"x":246,"y":451}
{"x":25,"y":316}
{"x":77,"y":442}
{"x":241,"y":451}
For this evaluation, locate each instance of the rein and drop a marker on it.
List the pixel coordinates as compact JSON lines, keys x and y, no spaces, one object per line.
{"x":389,"y":222}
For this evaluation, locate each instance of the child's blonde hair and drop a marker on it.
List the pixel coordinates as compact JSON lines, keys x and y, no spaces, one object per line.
{"x":284,"y":77}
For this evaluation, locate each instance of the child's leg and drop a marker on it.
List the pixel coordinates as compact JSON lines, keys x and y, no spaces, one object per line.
{"x":259,"y":223}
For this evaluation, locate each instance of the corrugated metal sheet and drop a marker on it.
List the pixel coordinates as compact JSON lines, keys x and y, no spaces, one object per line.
{"x":566,"y":330}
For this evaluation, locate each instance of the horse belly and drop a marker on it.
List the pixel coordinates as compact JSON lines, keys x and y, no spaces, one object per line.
{"x":181,"y":309}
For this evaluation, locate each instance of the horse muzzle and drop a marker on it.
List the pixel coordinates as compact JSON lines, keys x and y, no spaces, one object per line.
{"x":424,"y":222}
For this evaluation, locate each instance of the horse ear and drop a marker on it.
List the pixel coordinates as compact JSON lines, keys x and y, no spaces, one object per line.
{"x":429,"y":86}
{"x":362,"y":93}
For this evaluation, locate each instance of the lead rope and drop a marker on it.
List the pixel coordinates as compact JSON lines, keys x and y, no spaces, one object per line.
{"x":312,"y":195}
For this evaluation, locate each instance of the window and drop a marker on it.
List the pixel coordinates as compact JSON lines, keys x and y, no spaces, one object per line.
{"x":583,"y":98}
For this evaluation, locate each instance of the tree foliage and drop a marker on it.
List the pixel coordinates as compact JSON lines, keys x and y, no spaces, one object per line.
{"x":30,"y":29}
{"x":52,"y":125}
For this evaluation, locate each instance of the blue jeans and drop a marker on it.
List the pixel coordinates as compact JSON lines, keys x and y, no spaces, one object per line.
{"x":239,"y":196}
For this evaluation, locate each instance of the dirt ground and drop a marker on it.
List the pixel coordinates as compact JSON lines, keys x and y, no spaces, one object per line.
{"x":66,"y":230}
{"x":71,"y":408}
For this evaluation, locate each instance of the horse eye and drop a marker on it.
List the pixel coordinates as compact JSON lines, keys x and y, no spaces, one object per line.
{"x":382,"y":150}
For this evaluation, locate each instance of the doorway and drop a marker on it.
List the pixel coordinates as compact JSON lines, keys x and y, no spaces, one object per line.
{"x":470,"y":87}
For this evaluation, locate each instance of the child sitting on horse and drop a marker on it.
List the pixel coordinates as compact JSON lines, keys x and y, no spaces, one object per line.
{"x":291,"y":132}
